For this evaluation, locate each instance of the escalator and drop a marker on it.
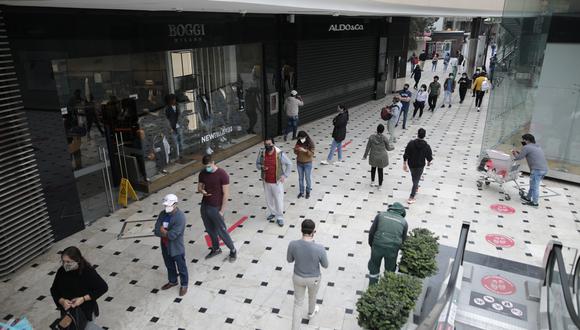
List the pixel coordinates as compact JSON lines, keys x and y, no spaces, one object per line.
{"x":477,"y":296}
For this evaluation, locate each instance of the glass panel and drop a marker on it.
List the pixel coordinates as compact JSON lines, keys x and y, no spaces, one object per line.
{"x":557,"y":313}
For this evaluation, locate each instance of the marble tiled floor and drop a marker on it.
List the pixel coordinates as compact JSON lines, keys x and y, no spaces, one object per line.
{"x":255,"y":292}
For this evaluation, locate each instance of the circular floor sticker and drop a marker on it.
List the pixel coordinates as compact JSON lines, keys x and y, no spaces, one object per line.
{"x":499,"y":240}
{"x":503,"y":209}
{"x":498,"y":284}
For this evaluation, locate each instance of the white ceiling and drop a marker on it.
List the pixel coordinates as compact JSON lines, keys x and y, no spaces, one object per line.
{"x":323,"y":7}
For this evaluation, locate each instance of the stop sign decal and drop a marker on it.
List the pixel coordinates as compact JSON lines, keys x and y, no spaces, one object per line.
{"x":498,"y":284}
{"x":502,"y":208}
{"x":500,"y":240}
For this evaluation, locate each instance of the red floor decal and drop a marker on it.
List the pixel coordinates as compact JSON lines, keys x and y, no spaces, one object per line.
{"x":499,"y":240}
{"x":234,"y":226}
{"x":498,"y":284}
{"x":502,"y":208}
{"x":346,"y":144}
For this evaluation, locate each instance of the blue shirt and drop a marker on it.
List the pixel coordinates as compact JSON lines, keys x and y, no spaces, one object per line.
{"x":405,"y":93}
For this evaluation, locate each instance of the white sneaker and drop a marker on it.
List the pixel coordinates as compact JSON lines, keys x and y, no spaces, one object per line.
{"x":380,"y":188}
{"x":323,"y":162}
{"x":338,"y":162}
{"x":316,"y":309}
{"x":373,"y":184}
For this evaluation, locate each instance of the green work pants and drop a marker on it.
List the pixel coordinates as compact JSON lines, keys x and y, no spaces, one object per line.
{"x":378,"y":253}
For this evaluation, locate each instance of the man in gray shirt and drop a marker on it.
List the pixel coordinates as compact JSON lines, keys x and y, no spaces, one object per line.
{"x":538,"y":165}
{"x":307,"y":256}
{"x":292,"y":104}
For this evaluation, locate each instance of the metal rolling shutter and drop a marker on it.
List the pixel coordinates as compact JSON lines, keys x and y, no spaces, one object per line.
{"x":25,"y":230}
{"x":332,"y":65}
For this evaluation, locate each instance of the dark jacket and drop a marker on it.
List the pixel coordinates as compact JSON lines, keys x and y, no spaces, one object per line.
{"x":416,"y":73}
{"x":172,"y":116}
{"x":416,"y":152}
{"x":377,"y":147}
{"x":73,"y":284}
{"x":389,"y":229}
{"x":464,"y":83}
{"x":340,"y":122}
{"x":446,"y":84}
{"x":422,"y":57}
{"x":175,"y":231}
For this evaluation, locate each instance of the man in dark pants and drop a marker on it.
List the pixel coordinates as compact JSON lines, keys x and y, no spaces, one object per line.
{"x":387,"y":234}
{"x":434,"y":91}
{"x":464,"y":84}
{"x":170,"y":226}
{"x":416,"y":152}
{"x":214,"y":184}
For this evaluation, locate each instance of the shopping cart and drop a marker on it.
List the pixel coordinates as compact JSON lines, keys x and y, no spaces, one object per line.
{"x":499,"y":167}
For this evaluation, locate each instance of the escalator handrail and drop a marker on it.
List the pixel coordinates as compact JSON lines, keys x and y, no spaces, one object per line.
{"x":432,"y":318}
{"x":566,"y":286}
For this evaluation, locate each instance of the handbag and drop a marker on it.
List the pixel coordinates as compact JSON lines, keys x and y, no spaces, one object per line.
{"x":74,"y":319}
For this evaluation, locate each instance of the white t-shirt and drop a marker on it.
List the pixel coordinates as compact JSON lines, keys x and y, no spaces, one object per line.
{"x":422,"y":96}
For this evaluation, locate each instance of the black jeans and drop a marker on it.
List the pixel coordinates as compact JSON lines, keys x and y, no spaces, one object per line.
{"x":377,"y":169}
{"x":478,"y":98}
{"x":432,"y":101}
{"x":416,"y":176}
{"x":419,"y":105}
{"x":215,"y":226}
{"x":462,"y":93}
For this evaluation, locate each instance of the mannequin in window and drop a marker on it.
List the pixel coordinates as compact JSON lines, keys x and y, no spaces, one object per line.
{"x":173,"y":115}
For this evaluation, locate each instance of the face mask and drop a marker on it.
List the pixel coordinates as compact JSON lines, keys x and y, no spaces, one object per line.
{"x":302,"y":140}
{"x":423,"y":89}
{"x":269,"y":148}
{"x":209,"y":169}
{"x":524,"y":143}
{"x":405,"y":88}
{"x":68,"y":266}
{"x":169,"y":209}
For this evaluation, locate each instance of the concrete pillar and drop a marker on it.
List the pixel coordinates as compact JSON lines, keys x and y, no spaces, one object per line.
{"x":473,"y":40}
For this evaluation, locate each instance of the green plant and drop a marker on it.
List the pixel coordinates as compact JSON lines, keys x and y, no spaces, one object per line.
{"x":419,"y":253}
{"x":387,"y":304}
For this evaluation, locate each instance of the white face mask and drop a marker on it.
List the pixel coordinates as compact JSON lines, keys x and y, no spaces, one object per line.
{"x":169,"y":209}
{"x":302,"y":140}
{"x":70,"y":266}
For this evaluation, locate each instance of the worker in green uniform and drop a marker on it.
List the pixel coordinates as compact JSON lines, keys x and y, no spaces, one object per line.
{"x":387,"y":234}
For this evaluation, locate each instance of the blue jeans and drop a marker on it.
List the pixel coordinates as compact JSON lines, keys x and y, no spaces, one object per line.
{"x":404,"y":112}
{"x":171,"y":263}
{"x":304,"y":171}
{"x":178,"y":140}
{"x":215,"y":226}
{"x":536,"y":177}
{"x":292,"y":126}
{"x":335,"y":145}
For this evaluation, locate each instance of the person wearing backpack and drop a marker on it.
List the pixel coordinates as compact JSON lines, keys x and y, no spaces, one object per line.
{"x":395,"y":111}
{"x":480,"y":85}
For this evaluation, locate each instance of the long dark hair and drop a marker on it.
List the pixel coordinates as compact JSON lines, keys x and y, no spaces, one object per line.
{"x":309,"y":144}
{"x":74,"y":253}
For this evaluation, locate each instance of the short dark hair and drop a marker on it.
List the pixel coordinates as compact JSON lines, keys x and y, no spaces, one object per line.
{"x":380,"y":128}
{"x":206,"y":159}
{"x":436,"y":77}
{"x":308,"y":227}
{"x":529,"y":137}
{"x":423,"y":85}
{"x":407,"y":85}
{"x":421,"y":133}
{"x":269,"y":138}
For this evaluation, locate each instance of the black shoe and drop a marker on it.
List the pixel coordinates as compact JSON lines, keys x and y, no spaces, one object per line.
{"x":307,"y":195}
{"x":300,"y":195}
{"x":525,"y":198}
{"x":285,"y":138}
{"x":233,"y":256}
{"x":213,"y":253}
{"x":449,"y":106}
{"x":293,"y":138}
{"x":530,"y":203}
{"x":443,"y":105}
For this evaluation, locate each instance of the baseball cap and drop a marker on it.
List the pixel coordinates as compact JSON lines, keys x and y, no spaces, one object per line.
{"x":293,"y":93}
{"x":169,"y":199}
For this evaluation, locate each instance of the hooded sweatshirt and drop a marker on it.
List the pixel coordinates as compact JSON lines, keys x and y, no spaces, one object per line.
{"x":389,"y":229}
{"x":416,"y":152}
{"x":377,"y":147}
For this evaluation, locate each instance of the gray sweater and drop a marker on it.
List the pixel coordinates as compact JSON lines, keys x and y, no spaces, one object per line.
{"x":308,"y":257}
{"x":174,"y":231}
{"x":535,"y":157}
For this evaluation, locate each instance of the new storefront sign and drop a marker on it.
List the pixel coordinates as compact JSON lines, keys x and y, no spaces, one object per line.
{"x":346,"y":27}
{"x":215,"y":135}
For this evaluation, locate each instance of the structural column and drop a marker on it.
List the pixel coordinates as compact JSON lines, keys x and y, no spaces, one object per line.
{"x":473,"y":41}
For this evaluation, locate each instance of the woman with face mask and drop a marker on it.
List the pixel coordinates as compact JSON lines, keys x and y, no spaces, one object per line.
{"x":77,"y":285}
{"x":377,"y":147}
{"x":304,"y":150}
{"x":464,"y":84}
{"x":420,"y":100}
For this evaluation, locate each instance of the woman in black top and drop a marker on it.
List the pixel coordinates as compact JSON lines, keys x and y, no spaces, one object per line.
{"x":417,"y":74}
{"x":77,"y":284}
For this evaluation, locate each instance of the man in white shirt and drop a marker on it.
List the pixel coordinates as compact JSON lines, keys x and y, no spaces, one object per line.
{"x":292,"y":104}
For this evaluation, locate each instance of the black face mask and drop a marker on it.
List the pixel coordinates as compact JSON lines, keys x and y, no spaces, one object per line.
{"x":405,"y":88}
{"x":524,"y":143}
{"x":269,"y":148}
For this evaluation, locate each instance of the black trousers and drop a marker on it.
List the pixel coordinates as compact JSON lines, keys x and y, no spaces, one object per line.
{"x":419,"y":105}
{"x":416,"y":176}
{"x":377,"y":169}
{"x":462,"y":93}
{"x":478,"y":98}
{"x":432,"y":101}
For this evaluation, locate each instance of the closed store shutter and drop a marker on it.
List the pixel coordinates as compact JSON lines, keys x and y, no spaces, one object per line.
{"x":335,"y":71}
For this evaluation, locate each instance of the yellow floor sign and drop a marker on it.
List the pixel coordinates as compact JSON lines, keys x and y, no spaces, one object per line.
{"x":126,"y":190}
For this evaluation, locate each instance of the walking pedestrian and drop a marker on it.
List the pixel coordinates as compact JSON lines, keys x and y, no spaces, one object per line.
{"x":416,"y":152}
{"x":414,"y":60}
{"x":77,"y":285}
{"x":464,"y":84}
{"x":275,"y":168}
{"x":480,"y":85}
{"x":449,"y":89}
{"x":307,"y":256}
{"x":386,"y":236}
{"x":170,"y":227}
{"x":446,"y":60}
{"x":416,"y":74}
{"x":420,"y":100}
{"x":434,"y":62}
{"x":405,"y":96}
{"x":340,"y":121}
{"x":475,"y":76}
{"x":214,"y":185}
{"x":422,"y":59}
{"x":453,"y":62}
{"x":538,"y":165}
{"x":292,"y":105}
{"x":460,"y":60}
{"x":392,"y":122}
{"x":377,"y":147}
{"x":304,"y":150}
{"x":434,"y":91}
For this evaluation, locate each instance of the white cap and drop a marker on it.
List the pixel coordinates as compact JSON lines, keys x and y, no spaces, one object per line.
{"x":293,"y":93}
{"x":169,"y":200}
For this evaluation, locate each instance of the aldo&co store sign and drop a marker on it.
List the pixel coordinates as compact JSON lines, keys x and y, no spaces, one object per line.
{"x":346,"y":27}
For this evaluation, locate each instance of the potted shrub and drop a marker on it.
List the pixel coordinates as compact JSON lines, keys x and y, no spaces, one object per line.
{"x":387,"y":304}
{"x":419,"y":253}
